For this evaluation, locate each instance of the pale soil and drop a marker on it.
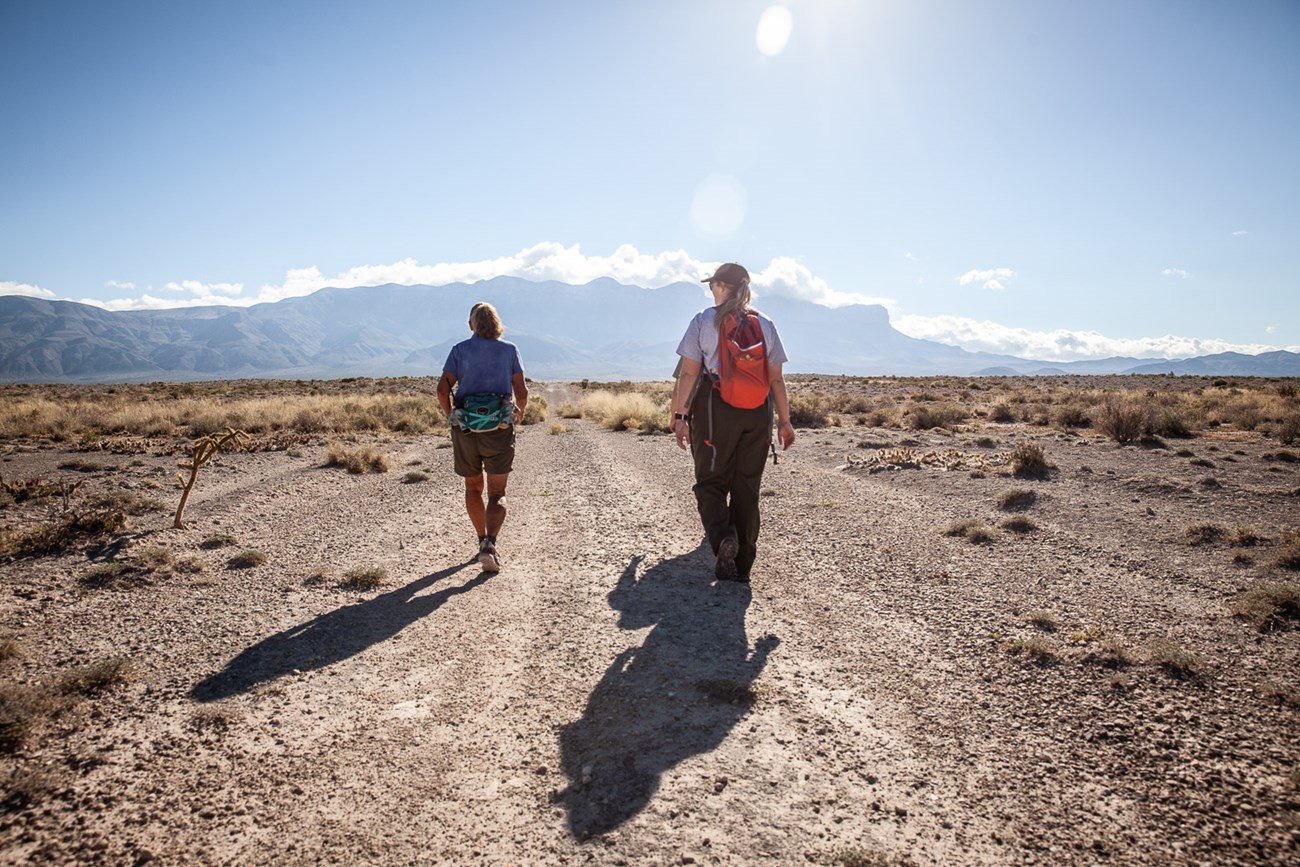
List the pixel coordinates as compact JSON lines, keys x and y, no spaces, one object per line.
{"x":574,"y":707}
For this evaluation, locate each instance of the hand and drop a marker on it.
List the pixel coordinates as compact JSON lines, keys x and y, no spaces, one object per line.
{"x":785,"y":433}
{"x":683,"y":433}
{"x":519,"y":416}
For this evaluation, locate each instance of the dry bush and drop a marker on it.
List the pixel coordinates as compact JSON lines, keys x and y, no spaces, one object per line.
{"x":1289,"y":556}
{"x":364,"y":578}
{"x":1036,"y":649}
{"x":358,"y":461}
{"x":415,"y":476}
{"x":1072,"y":415}
{"x":1002,"y":413}
{"x":557,"y":428}
{"x":96,"y":677}
{"x":1044,"y":620}
{"x":1016,"y":499}
{"x":246,"y":559}
{"x":1123,"y":419}
{"x":1109,"y":653}
{"x":536,"y":411}
{"x":1288,"y":429}
{"x":220,"y":540}
{"x":53,"y":537}
{"x":22,"y":709}
{"x":1246,"y":537}
{"x":973,"y":530}
{"x":1029,"y":461}
{"x":568,"y":410}
{"x":1205,"y":534}
{"x":1018,"y":524}
{"x":925,"y":416}
{"x":612,"y":411}
{"x":1168,"y":655}
{"x":1269,"y":605}
{"x":809,"y":410}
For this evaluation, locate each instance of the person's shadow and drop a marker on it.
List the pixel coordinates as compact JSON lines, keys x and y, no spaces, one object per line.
{"x":332,"y":637}
{"x":675,"y":696}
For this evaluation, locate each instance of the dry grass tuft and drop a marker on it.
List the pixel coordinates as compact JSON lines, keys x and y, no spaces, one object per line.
{"x":1043,"y":620}
{"x":415,"y":476}
{"x":1109,"y":653}
{"x":1269,"y":605}
{"x":1169,"y":656}
{"x":220,"y":540}
{"x":358,"y":461}
{"x":1016,"y":499}
{"x":614,"y":411}
{"x":97,"y":677}
{"x":558,"y":428}
{"x":249,"y":558}
{"x":1036,"y":649}
{"x":971,"y":529}
{"x":1029,"y":461}
{"x":1205,"y":534}
{"x":1018,"y":524}
{"x":364,"y":578}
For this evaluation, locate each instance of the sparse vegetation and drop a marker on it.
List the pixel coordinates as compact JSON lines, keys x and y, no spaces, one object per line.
{"x":1123,"y":419}
{"x":1036,"y":649}
{"x":246,"y":559}
{"x":1269,"y":605}
{"x":220,"y":540}
{"x":364,"y":578}
{"x":415,"y":476}
{"x":357,"y":461}
{"x":1169,"y":656}
{"x":1205,"y":534}
{"x":973,"y":530}
{"x":1029,"y":461}
{"x":1018,"y":524}
{"x":203,"y":450}
{"x":557,"y":428}
{"x":613,"y":411}
{"x":97,"y":677}
{"x":1016,"y":499}
{"x":1043,"y":620}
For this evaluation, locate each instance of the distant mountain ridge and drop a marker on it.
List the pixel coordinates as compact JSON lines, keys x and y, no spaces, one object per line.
{"x":599,"y":330}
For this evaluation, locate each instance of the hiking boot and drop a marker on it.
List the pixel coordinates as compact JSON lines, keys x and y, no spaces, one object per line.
{"x":487,"y":555}
{"x":725,"y":567}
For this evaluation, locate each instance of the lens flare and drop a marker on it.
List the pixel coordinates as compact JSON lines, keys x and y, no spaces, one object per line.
{"x":774,"y":30}
{"x":718,"y":208}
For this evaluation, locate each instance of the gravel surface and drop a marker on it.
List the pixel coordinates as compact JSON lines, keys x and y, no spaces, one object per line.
{"x":881,"y":693}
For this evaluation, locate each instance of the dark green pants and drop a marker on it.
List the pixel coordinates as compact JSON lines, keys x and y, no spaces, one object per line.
{"x":730,"y":451}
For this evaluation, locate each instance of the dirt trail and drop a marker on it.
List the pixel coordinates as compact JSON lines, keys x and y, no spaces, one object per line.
{"x":602,"y":700}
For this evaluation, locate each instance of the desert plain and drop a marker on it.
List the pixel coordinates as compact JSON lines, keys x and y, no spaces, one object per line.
{"x":982,"y":629}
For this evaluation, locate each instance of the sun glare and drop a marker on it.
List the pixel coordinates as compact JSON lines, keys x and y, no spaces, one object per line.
{"x":774,"y":30}
{"x":718,"y":208}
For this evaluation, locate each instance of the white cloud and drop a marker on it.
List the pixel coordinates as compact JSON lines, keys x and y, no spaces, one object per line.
{"x":118,"y":284}
{"x":1175,"y":272}
{"x":990,"y":279}
{"x":9,"y":287}
{"x":1241,"y":232}
{"x":1272,"y":329}
{"x":1059,"y":345}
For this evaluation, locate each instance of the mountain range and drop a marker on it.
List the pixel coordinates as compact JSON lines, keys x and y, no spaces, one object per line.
{"x":599,"y":330}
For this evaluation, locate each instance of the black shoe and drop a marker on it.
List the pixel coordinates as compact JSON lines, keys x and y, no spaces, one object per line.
{"x":487,"y":555}
{"x":724,"y":569}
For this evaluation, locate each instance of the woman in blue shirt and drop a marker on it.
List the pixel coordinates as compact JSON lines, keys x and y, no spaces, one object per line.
{"x":485,"y":371}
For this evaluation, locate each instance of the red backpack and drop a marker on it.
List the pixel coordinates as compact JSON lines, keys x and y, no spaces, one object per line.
{"x":743,"y":378}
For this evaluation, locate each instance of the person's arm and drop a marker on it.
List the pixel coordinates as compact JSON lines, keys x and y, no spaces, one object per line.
{"x":784,"y":430}
{"x":520,"y":388}
{"x":445,"y":385}
{"x":687,"y":374}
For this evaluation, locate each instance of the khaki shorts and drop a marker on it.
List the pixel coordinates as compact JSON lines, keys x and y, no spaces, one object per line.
{"x":493,"y":451}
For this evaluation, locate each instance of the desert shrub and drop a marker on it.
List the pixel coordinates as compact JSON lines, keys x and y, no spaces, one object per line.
{"x":536,"y":411}
{"x":358,"y":461}
{"x":1016,"y":499}
{"x":1109,"y":653}
{"x":22,"y":708}
{"x":1246,"y":537}
{"x":1036,"y":649}
{"x":1269,"y":605}
{"x":1018,"y":524}
{"x":1168,"y":655}
{"x":568,"y":410}
{"x":557,"y":428}
{"x":1072,"y":415}
{"x":191,"y":565}
{"x":1204,"y":534}
{"x":1002,"y":413}
{"x":809,"y":410}
{"x":973,"y":530}
{"x":247,"y":559}
{"x":1167,"y":422}
{"x":1028,"y":461}
{"x":1289,"y":556}
{"x":154,"y":559}
{"x":924,"y":416}
{"x":1123,"y":419}
{"x":415,"y":476}
{"x":364,"y":577}
{"x":1044,"y":620}
{"x":96,"y":677}
{"x":58,"y":535}
{"x":9,"y":649}
{"x":611,"y":411}
{"x":220,"y":540}
{"x":1288,"y":430}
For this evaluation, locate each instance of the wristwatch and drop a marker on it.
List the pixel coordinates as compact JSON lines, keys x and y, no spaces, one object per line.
{"x":682,"y":416}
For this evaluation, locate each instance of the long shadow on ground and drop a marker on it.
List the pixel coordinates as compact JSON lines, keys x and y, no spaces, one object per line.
{"x":675,"y":696}
{"x":331,"y":637}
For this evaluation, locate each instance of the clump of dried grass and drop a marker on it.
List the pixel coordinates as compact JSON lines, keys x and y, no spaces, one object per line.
{"x":1269,"y":605}
{"x":357,"y":461}
{"x":613,"y":411}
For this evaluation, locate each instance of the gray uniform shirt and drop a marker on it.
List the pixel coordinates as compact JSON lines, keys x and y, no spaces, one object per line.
{"x":700,"y":342}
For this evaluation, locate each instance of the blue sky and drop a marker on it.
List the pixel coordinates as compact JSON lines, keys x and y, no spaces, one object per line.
{"x":1053,"y":179}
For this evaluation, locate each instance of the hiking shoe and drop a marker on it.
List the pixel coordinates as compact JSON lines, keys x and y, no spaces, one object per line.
{"x":487,"y":556}
{"x":725,"y":567}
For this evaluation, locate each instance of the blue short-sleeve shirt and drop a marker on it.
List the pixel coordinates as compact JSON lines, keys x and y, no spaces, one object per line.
{"x":483,"y":366}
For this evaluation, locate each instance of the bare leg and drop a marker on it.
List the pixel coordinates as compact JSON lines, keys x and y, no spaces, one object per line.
{"x":474,"y":504}
{"x":495,"y":514}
